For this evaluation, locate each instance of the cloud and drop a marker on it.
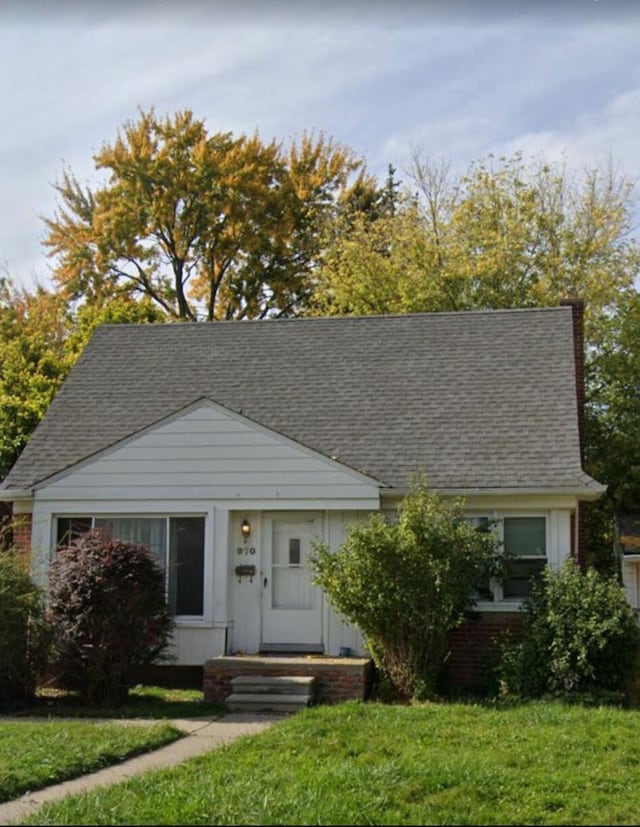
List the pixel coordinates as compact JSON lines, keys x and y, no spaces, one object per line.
{"x":377,"y":76}
{"x":593,"y":139}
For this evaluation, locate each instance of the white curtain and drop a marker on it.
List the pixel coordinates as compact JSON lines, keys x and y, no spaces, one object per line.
{"x":145,"y":531}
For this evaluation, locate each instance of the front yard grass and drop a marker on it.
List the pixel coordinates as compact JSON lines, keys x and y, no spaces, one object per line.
{"x":34,"y":754}
{"x":535,"y":763}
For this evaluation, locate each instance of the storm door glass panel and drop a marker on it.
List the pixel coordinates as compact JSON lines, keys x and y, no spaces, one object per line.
{"x":150,"y":532}
{"x":186,"y":566}
{"x":290,"y":576}
{"x":525,"y":545}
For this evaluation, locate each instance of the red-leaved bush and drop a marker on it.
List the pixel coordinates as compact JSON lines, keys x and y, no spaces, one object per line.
{"x":109,"y":614}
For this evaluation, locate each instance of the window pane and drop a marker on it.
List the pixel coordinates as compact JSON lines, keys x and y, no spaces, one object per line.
{"x":525,"y":536}
{"x":521,"y":575}
{"x":294,"y":551}
{"x":482,"y":588}
{"x":186,"y":566}
{"x":69,"y":529}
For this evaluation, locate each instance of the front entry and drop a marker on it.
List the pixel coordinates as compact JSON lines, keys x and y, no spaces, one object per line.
{"x":291,"y":605}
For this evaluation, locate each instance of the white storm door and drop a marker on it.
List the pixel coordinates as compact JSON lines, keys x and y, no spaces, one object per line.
{"x":291,"y":605}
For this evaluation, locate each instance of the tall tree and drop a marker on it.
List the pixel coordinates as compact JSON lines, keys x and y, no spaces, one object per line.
{"x":33,"y":362}
{"x":505,"y":234}
{"x":40,"y":340}
{"x":613,"y":417}
{"x":207,"y":226}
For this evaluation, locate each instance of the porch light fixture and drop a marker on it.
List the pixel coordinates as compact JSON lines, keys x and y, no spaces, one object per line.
{"x":245,"y":528}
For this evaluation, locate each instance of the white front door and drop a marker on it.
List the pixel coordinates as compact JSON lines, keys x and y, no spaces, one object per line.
{"x":291,"y":605}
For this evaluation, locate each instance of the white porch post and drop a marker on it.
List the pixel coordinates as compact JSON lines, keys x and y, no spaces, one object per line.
{"x":220,"y":589}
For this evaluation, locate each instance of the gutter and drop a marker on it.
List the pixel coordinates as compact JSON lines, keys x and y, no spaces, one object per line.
{"x":590,"y":493}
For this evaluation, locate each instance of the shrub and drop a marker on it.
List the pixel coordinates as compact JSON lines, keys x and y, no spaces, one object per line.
{"x":579,"y":635}
{"x":108,"y":608}
{"x":24,"y":639}
{"x":407,"y":585}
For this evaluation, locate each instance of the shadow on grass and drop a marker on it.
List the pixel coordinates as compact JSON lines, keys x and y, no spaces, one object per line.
{"x":144,"y":702}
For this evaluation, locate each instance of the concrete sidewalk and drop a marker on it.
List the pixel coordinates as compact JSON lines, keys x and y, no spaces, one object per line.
{"x":204,"y":734}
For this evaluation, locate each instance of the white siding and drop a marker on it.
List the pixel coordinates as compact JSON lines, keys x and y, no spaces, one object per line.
{"x":339,"y":632}
{"x":192,"y":646}
{"x":245,"y":594}
{"x":209,"y":453}
{"x":630,"y":582}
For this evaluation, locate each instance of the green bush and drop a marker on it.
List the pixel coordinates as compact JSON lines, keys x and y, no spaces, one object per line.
{"x":24,"y":639}
{"x":579,"y":635}
{"x":109,"y":613}
{"x":406,"y":585}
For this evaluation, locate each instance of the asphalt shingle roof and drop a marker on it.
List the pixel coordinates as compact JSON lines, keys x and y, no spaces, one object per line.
{"x":475,"y":400}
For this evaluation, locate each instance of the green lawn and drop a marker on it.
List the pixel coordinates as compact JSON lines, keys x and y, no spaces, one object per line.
{"x":36,"y":754}
{"x":539,"y":763}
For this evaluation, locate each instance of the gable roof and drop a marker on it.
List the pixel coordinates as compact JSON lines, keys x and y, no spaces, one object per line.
{"x":476,"y":400}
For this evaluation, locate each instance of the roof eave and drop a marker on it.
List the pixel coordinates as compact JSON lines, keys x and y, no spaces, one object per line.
{"x":593,"y":492}
{"x":8,"y":495}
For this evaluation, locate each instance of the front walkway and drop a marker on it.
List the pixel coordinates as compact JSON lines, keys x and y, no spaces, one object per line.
{"x":204,"y":734}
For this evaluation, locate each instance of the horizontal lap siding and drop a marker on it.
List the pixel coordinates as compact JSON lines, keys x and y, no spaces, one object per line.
{"x":209,"y":454}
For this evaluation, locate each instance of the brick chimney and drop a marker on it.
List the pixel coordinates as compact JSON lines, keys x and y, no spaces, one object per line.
{"x":579,"y":524}
{"x":577,"y":310}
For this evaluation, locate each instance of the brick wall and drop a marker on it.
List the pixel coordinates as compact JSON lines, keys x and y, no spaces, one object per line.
{"x":21,"y":530}
{"x":471,"y":646}
{"x":337,"y":679}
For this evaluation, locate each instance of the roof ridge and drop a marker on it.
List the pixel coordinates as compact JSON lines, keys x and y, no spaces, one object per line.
{"x":186,"y":324}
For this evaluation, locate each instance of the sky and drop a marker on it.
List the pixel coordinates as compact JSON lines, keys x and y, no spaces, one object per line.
{"x":455,"y":80}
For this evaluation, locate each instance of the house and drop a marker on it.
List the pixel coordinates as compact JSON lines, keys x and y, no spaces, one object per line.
{"x":628,"y":549}
{"x":229,"y":447}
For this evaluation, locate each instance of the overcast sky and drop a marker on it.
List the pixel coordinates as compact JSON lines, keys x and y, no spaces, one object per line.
{"x":457,"y":79}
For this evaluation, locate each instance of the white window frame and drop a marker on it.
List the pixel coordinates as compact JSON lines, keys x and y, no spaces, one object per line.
{"x":180,"y":619}
{"x":496,"y":518}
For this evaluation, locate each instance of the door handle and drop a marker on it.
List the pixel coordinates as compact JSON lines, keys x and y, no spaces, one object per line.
{"x":264,"y":583}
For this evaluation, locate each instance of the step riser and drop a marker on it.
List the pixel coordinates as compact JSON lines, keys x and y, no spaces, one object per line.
{"x":263,"y":698}
{"x":264,"y":693}
{"x":278,"y":685}
{"x":264,"y":710}
{"x":261,"y":689}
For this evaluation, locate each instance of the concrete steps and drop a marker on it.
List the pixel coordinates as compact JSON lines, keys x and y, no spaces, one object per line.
{"x":266,"y":693}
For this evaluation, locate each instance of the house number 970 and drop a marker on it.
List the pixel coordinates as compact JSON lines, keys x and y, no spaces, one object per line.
{"x":244,"y":550}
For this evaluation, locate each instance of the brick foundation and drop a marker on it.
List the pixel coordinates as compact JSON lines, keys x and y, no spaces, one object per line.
{"x":471,"y":648}
{"x":337,"y":679}
{"x":21,"y":530}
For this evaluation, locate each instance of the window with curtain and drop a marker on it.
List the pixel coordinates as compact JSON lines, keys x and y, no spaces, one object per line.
{"x":177,"y":543}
